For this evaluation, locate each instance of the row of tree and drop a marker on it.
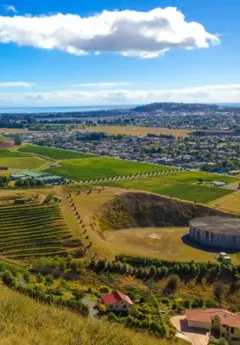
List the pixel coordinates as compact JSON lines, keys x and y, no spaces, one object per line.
{"x":146,"y":268}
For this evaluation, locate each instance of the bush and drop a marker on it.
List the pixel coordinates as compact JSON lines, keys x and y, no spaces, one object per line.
{"x":172,"y":283}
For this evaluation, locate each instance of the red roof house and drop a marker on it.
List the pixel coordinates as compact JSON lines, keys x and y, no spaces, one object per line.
{"x":117,"y":301}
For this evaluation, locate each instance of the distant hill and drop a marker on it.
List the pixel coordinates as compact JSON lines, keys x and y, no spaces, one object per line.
{"x":165,"y":106}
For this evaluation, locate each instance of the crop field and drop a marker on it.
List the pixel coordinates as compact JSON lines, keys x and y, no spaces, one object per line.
{"x":22,"y":162}
{"x":194,"y":177}
{"x":99,"y":167}
{"x":136,"y":130}
{"x":164,"y":185}
{"x":31,"y":230}
{"x":54,"y":153}
{"x":12,"y":154}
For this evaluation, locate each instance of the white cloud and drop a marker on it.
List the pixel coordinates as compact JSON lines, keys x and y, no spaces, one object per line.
{"x":9,"y":84}
{"x":102,"y":85}
{"x":203,"y":94}
{"x":129,"y":33}
{"x":10,"y":8}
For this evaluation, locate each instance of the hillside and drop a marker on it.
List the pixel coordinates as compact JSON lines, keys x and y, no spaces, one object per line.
{"x":33,"y":230}
{"x":23,"y":321}
{"x":131,"y":210}
{"x":169,"y":106}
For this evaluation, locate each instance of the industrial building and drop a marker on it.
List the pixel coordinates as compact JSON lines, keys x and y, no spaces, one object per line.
{"x":220,"y":232}
{"x":39,"y":175}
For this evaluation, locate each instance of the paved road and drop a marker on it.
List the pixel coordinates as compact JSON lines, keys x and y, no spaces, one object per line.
{"x":192,"y":335}
{"x":92,"y":312}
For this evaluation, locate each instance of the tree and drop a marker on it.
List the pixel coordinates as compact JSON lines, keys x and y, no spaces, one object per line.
{"x":218,"y":290}
{"x":18,"y":140}
{"x":4,"y":180}
{"x":172,"y":283}
{"x":48,"y":280}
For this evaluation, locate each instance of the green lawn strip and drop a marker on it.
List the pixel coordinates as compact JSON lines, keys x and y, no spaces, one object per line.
{"x":178,"y":190}
{"x":22,"y":162}
{"x":58,"y":154}
{"x":102,"y":167}
{"x":195,"y":176}
{"x":12,"y":154}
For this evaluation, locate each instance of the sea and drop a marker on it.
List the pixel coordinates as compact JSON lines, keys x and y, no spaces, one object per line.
{"x":44,"y":110}
{"x":71,"y":109}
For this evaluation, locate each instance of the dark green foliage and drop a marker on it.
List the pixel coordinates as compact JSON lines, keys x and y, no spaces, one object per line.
{"x":29,"y":182}
{"x":18,"y":140}
{"x":145,"y":268}
{"x":4,"y":180}
{"x":172,"y":283}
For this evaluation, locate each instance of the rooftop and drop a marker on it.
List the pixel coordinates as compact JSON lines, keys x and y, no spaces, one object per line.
{"x":218,"y":225}
{"x":116,"y":297}
{"x":226,"y":317}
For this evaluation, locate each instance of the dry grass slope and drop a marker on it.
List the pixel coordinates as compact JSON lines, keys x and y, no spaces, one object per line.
{"x":23,"y":321}
{"x":136,"y":130}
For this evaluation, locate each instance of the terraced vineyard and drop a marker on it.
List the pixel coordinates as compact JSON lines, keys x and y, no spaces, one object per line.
{"x":32,"y":230}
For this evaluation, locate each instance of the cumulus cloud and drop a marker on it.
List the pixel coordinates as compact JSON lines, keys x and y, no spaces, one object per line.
{"x":129,"y":33}
{"x":10,"y":8}
{"x":203,"y":94}
{"x":102,"y":85}
{"x":9,"y":84}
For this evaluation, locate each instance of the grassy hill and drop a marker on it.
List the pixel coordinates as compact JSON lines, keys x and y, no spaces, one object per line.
{"x":24,"y":321}
{"x":54,"y":153}
{"x":102,"y":167}
{"x":32,"y":230}
{"x":131,"y":210}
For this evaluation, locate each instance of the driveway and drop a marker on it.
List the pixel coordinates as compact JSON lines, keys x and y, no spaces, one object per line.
{"x":193,"y":335}
{"x":93,"y":313}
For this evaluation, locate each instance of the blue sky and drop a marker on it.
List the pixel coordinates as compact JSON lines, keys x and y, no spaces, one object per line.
{"x":175,"y":50}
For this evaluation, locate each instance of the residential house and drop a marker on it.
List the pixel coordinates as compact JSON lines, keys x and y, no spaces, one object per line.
{"x":116,"y":301}
{"x":221,"y":323}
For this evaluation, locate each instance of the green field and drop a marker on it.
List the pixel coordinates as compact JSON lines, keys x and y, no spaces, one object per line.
{"x":170,"y":187}
{"x":32,"y":230}
{"x":54,"y":153}
{"x":94,"y":168}
{"x":194,"y":176}
{"x":12,"y":154}
{"x":22,"y":162}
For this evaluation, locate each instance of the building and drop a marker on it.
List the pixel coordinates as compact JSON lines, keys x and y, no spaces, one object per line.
{"x":219,"y":232}
{"x":38,"y":175}
{"x":218,"y":183}
{"x":220,"y":323}
{"x":116,"y":301}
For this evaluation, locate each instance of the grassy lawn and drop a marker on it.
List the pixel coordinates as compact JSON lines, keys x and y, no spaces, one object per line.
{"x":170,"y":187}
{"x":194,"y":176}
{"x":162,"y":243}
{"x":99,"y":167}
{"x":54,"y":153}
{"x":22,"y":162}
{"x":12,"y":154}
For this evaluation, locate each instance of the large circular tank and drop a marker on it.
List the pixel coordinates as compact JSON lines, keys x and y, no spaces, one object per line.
{"x":220,"y":232}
